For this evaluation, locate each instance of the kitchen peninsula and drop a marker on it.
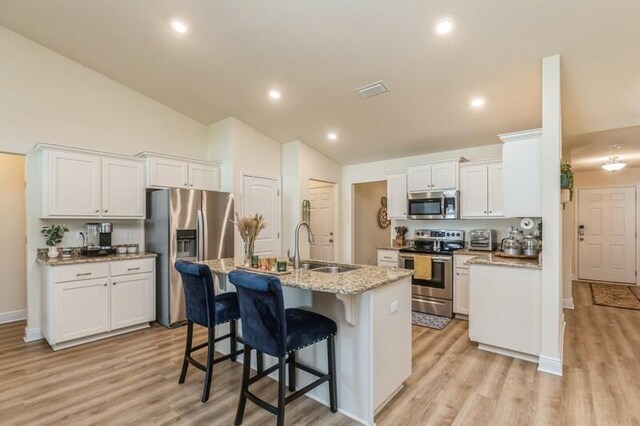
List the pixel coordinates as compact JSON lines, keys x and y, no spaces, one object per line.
{"x":372,"y":308}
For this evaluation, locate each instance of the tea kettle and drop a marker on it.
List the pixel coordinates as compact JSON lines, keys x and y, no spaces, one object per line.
{"x":512,"y":245}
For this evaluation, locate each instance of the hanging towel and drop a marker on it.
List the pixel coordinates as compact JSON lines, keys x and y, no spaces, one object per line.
{"x":422,"y":267}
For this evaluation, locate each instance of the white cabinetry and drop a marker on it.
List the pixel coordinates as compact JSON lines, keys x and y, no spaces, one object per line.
{"x":80,"y":184}
{"x":388,"y":258}
{"x":433,"y":176}
{"x":481,"y":190}
{"x":173,"y":172}
{"x":522,"y":173}
{"x":397,"y":196}
{"x":92,"y":301}
{"x":461,"y":286}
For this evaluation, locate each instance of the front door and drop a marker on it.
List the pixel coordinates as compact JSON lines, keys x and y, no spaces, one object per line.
{"x":607,"y":235}
{"x":262,"y":195}
{"x":321,"y":200}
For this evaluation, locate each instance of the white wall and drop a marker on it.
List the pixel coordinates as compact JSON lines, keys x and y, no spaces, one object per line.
{"x":13,"y":292}
{"x":378,"y":170}
{"x":46,"y":97}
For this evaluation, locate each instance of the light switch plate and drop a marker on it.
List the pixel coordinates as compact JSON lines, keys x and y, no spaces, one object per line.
{"x":393,"y":307}
{"x":79,"y":235}
{"x":128,"y":234}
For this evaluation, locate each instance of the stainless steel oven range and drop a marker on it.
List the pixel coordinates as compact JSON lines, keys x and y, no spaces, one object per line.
{"x":434,"y":296}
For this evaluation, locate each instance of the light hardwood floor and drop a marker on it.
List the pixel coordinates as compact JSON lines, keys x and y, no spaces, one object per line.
{"x":132,"y":379}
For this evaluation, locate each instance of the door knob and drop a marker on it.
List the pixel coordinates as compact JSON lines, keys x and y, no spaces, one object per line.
{"x":330,"y":240}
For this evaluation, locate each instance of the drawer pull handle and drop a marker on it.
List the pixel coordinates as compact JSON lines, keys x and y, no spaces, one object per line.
{"x":105,"y":284}
{"x":387,"y":257}
{"x":133,"y":269}
{"x":115,"y":283}
{"x":83,"y":274}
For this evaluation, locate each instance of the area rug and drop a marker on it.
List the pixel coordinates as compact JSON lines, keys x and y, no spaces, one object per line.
{"x":615,"y":295}
{"x":431,"y":321}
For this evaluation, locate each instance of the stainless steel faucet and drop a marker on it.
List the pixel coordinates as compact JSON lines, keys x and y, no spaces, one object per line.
{"x":296,"y":253}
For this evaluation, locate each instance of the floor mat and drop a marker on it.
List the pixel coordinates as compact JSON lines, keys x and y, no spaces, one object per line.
{"x":615,"y":295}
{"x":431,"y":321}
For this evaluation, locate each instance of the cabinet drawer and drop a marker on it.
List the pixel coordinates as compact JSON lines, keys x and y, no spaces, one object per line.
{"x":388,"y":263}
{"x":84,"y":271}
{"x":387,"y":256}
{"x":459,"y":260}
{"x":134,"y":266}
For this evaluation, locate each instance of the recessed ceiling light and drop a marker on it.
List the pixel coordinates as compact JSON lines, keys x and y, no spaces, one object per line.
{"x":332,"y":136}
{"x":477,"y":102}
{"x":444,"y":26}
{"x":275,"y":94}
{"x":613,"y":165}
{"x":179,"y":26}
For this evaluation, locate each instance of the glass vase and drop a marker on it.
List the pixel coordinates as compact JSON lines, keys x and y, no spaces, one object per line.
{"x":248,"y":253}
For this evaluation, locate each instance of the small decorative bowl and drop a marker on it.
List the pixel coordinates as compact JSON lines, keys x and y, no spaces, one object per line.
{"x":132,"y":250}
{"x":122,"y":250}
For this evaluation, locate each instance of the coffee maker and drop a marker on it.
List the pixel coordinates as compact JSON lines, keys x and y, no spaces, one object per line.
{"x":98,"y":240}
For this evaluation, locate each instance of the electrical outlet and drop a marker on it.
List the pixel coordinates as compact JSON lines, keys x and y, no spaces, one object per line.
{"x":393,"y":307}
{"x":128,"y":234}
{"x":79,"y":235}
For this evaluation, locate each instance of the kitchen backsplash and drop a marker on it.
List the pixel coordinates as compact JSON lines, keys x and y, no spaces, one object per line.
{"x":501,"y":226}
{"x":119,"y":237}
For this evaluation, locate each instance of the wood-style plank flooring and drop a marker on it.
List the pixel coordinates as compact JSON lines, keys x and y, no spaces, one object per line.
{"x":132,"y":379}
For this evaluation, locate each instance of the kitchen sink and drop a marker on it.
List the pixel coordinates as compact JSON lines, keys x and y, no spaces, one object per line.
{"x":308,"y":266}
{"x":336,"y":269}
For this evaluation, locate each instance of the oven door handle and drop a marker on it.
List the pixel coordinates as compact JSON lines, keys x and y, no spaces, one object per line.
{"x":431,"y":302}
{"x":433,"y":258}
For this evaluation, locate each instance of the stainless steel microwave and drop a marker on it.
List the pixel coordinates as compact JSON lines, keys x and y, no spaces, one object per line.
{"x":434,"y":205}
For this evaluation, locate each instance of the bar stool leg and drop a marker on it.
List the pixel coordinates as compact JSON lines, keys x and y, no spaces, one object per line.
{"x":246,"y":372}
{"x":210,"y":354}
{"x":259,"y":361}
{"x":282,"y":389}
{"x":232,"y":342}
{"x":292,"y":371}
{"x":187,"y":352}
{"x":333,"y":388}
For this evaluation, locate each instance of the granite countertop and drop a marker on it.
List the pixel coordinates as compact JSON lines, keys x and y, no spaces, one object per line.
{"x":392,"y":247}
{"x":77,"y":259}
{"x":358,"y":281}
{"x":469,"y":252}
{"x":491,"y":259}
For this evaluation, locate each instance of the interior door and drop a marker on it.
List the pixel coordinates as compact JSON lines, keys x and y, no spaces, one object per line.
{"x":262,"y":195}
{"x":607,"y":234}
{"x":122,"y":188}
{"x":321,"y":200}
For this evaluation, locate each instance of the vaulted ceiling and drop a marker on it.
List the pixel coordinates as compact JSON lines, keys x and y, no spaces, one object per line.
{"x":316,"y":52}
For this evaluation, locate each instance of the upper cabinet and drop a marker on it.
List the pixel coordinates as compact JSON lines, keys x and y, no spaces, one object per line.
{"x":397,"y":196}
{"x":81,"y":184}
{"x":481,"y":190}
{"x":522,"y":173}
{"x":438,"y":176}
{"x":172,"y":172}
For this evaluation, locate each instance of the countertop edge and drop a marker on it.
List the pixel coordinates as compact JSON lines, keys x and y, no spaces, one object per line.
{"x":78,"y":261}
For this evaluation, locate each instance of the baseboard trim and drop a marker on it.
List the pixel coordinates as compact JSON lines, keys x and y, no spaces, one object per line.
{"x":573,"y":277}
{"x":508,"y":352}
{"x":553,"y":365}
{"x":32,"y":334}
{"x":567,"y":303}
{"x":13,"y":316}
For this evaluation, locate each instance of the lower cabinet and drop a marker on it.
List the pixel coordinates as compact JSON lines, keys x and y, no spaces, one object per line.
{"x":78,"y":308}
{"x":461,"y":281}
{"x":388,"y":258}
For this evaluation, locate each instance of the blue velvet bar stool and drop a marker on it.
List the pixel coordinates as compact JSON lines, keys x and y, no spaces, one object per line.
{"x":270,"y":328}
{"x":207,"y":309}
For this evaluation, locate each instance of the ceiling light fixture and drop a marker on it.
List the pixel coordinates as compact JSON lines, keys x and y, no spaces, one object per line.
{"x":444,"y":26}
{"x":477,"y":102}
{"x":274,"y":94}
{"x":613,"y":165}
{"x":332,"y":136}
{"x":178,"y":26}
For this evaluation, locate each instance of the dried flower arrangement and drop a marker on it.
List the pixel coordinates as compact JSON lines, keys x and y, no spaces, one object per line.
{"x":249,"y":227}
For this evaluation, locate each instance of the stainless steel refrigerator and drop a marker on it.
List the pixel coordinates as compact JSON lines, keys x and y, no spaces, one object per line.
{"x":185,"y":224}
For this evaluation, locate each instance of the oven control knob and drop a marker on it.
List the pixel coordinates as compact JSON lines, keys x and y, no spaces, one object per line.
{"x":458,"y":234}
{"x":448,"y":234}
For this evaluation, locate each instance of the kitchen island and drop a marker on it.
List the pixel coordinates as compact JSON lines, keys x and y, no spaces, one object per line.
{"x":372,"y":307}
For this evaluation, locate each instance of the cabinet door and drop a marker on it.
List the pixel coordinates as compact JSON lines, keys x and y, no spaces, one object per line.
{"x":73,"y":184}
{"x":419,"y":179}
{"x":494,"y":199}
{"x":132,"y":300}
{"x":397,"y":196}
{"x":461,"y":292}
{"x":205,"y":177}
{"x":473,"y":190}
{"x":444,"y":175}
{"x":122,"y":188}
{"x":168,"y":173}
{"x":82,"y":309}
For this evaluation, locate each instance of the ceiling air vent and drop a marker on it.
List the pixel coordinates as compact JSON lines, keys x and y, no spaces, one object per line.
{"x":373,"y":89}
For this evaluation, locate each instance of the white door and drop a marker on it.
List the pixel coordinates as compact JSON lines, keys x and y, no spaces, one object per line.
{"x":204,"y":176}
{"x":321,"y":200}
{"x":168,"y":173}
{"x":495,"y":203}
{"x":419,"y":179}
{"x":73,"y":184}
{"x":131,"y":300}
{"x":82,"y":309}
{"x":397,"y":196}
{"x":473,"y":190}
{"x":607,"y":250}
{"x":122,"y":188}
{"x":262,"y":195}
{"x":443,"y":175}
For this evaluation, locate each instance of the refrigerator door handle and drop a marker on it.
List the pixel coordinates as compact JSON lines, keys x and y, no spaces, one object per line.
{"x":205,"y":235}
{"x":200,"y":235}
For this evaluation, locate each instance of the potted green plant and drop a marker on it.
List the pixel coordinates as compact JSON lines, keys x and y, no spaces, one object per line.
{"x":566,"y":178}
{"x":54,"y":235}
